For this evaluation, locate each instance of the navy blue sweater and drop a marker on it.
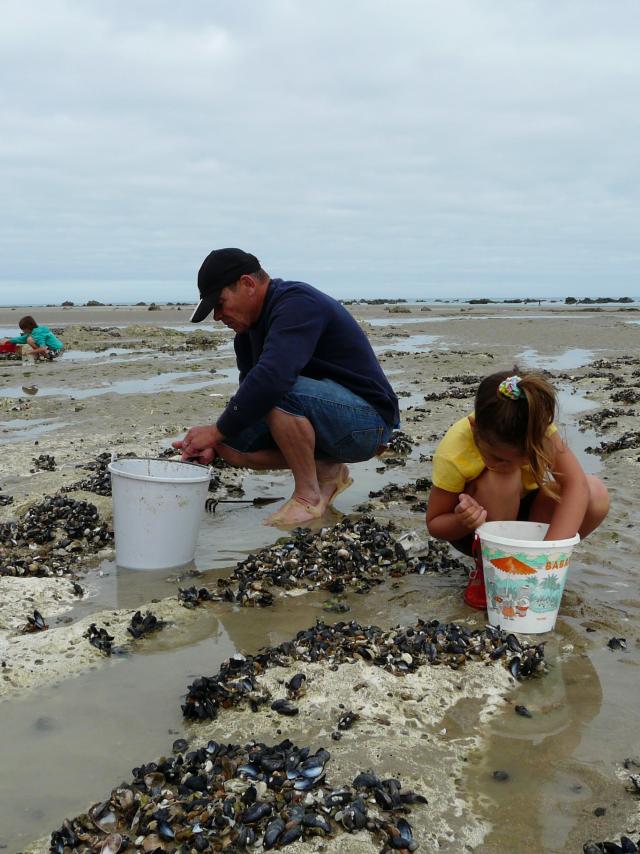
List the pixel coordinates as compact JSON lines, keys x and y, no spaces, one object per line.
{"x":302,"y":332}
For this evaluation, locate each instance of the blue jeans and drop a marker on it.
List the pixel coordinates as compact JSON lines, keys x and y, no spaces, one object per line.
{"x":347,"y":428}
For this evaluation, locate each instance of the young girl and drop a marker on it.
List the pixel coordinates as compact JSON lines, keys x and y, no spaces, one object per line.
{"x":507,"y":461}
{"x":43,"y":343}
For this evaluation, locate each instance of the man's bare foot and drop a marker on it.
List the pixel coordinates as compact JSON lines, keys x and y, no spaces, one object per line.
{"x":296,"y":511}
{"x":332,"y":485}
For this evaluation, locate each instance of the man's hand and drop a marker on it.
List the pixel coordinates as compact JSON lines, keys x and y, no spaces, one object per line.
{"x":200,"y":444}
{"x":469,"y":512}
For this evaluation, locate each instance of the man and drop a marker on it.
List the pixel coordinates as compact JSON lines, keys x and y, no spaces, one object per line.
{"x":312,"y":395}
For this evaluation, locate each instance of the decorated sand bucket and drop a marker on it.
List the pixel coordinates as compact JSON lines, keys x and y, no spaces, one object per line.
{"x":157,"y":509}
{"x":524,"y":575}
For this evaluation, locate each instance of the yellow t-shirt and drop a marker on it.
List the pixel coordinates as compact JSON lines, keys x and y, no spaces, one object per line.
{"x":457,"y":460}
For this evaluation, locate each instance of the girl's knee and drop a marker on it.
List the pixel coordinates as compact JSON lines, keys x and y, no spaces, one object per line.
{"x":598,"y":506}
{"x":599,"y":497}
{"x":494,"y":489}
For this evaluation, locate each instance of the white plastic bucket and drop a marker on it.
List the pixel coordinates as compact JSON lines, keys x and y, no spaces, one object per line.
{"x":524,"y":575}
{"x":157,"y":509}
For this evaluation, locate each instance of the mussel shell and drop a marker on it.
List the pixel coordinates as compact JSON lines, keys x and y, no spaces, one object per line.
{"x":273,"y":831}
{"x":165,"y":831}
{"x":103,"y":818}
{"x":112,"y":844}
{"x":291,"y":834}
{"x":256,"y":812}
{"x":154,"y":780}
{"x":180,"y":745}
{"x":303,"y":784}
{"x":284,"y":707}
{"x":295,"y":683}
{"x":404,"y":827}
{"x":245,"y":836}
{"x":365,"y":780}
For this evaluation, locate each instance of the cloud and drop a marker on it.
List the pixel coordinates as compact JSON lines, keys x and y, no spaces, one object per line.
{"x":365,"y":146}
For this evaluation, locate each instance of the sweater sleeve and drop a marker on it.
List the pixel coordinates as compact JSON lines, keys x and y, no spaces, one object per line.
{"x":294,"y":328}
{"x":242,"y":347}
{"x":19,"y":339}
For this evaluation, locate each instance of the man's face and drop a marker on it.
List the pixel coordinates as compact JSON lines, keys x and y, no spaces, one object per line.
{"x":236,"y":305}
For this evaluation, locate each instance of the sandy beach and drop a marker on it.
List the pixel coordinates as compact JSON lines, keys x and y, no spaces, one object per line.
{"x":131,"y":381}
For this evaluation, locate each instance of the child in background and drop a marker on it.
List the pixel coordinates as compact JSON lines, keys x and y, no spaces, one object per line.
{"x":43,"y":343}
{"x":506,"y":461}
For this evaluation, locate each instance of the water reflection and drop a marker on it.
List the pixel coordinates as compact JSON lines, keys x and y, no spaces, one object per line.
{"x":172,"y":381}
{"x":98,"y":726}
{"x":468,"y":315}
{"x":23,"y":429}
{"x":95,"y":355}
{"x":562,"y":705}
{"x":411,"y":344}
{"x":571,"y":402}
{"x":574,"y":357}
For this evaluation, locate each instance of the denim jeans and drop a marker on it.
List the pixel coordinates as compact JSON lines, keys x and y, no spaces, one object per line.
{"x":347,"y":428}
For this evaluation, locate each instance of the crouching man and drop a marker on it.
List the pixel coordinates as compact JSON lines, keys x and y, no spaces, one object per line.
{"x":312,"y":395}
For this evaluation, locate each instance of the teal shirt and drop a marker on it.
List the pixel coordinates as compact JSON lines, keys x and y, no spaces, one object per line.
{"x":43,"y":337}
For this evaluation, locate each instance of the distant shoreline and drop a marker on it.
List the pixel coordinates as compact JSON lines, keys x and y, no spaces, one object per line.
{"x":440,"y":301}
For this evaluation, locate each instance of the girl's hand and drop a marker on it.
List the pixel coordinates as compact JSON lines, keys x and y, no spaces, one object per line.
{"x":469,"y":512}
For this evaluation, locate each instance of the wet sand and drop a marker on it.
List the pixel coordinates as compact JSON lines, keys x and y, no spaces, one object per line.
{"x":143,"y":389}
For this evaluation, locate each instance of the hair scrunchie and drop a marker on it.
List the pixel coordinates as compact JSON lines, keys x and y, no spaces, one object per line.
{"x":509,"y":387}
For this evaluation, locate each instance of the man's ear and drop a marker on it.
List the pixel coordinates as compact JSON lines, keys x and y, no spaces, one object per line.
{"x":248,"y":281}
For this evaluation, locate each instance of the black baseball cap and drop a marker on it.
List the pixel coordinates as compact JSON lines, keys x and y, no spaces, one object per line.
{"x":220,"y":268}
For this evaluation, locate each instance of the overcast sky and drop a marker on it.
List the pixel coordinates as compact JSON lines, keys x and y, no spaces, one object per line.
{"x":405,"y":148}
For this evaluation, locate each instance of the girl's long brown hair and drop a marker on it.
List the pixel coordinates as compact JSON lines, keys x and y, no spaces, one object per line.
{"x":521,"y":423}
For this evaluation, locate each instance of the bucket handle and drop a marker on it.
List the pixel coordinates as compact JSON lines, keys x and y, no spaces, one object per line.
{"x":476,"y":554}
{"x":210,"y":469}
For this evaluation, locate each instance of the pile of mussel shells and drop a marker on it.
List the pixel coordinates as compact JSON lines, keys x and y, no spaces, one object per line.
{"x":100,"y":479}
{"x":98,"y":482}
{"x":463,"y":379}
{"x":51,"y":534}
{"x":453,"y":393}
{"x":400,"y":443}
{"x":354,"y":554}
{"x":625,"y":846}
{"x":44,"y":462}
{"x":626,"y":395}
{"x":146,"y":624}
{"x":406,"y":492}
{"x":100,"y":638}
{"x":628,"y":441}
{"x":191,"y":597}
{"x":231,"y":797}
{"x":400,"y":651}
{"x":603,"y":419}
